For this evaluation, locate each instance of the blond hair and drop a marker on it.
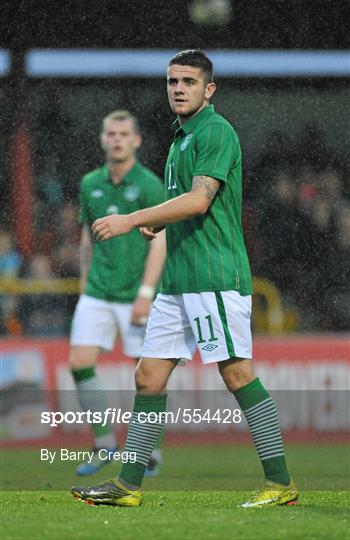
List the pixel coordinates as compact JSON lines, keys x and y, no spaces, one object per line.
{"x":121,"y":115}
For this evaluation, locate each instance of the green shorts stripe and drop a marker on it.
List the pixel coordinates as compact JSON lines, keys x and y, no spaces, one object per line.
{"x":223,"y":318}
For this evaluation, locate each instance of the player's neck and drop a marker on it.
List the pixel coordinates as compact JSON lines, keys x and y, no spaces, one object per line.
{"x":118,"y":170}
{"x":184,"y":119}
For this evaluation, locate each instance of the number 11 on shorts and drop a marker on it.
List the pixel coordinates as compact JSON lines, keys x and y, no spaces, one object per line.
{"x":210,"y":327}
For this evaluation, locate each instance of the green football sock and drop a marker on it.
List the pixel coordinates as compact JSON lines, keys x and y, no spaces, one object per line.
{"x":261,"y":415}
{"x":92,"y":397}
{"x":142,"y":436}
{"x":159,"y":440}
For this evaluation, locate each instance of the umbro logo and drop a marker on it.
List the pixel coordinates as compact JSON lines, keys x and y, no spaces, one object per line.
{"x":210,"y":347}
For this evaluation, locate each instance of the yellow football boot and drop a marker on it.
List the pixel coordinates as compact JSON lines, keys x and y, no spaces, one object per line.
{"x":272,"y":494}
{"x":109,"y":492}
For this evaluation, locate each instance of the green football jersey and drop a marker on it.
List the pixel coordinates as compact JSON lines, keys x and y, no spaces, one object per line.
{"x":207,"y":252}
{"x":117,"y":264}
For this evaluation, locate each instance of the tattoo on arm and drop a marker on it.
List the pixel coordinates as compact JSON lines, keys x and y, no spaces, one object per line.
{"x":206,"y":183}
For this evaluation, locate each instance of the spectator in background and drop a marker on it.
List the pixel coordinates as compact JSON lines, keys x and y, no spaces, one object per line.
{"x":337,"y":293}
{"x":47,"y":202}
{"x":312,"y":151}
{"x":278,"y":154}
{"x":41,"y":314}
{"x":49,"y":185}
{"x":51,"y":237}
{"x":10,"y":258}
{"x":66,"y":262}
{"x":10,"y":263}
{"x":44,"y":230}
{"x":66,"y":254}
{"x":306,"y":181}
{"x":331,"y":188}
{"x":282,"y":226}
{"x":319,"y":199}
{"x":67,"y":225}
{"x":320,"y":255}
{"x":302,"y":218}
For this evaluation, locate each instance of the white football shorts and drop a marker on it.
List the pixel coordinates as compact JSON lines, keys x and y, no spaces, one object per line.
{"x":217,"y":323}
{"x":97,"y":322}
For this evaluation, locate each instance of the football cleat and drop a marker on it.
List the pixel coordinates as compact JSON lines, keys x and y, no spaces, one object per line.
{"x":89,"y":468}
{"x":273,"y":494}
{"x":110,"y":492}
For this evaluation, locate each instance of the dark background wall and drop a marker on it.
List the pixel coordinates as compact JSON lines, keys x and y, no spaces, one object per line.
{"x":280,"y":24}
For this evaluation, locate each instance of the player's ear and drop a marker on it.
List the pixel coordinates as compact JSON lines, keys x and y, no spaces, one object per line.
{"x":102,"y":142}
{"x":209,"y":90}
{"x":138,"y":141}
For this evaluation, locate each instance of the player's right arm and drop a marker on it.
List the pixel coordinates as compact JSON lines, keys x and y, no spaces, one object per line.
{"x":204,"y":189}
{"x":217,"y":153}
{"x":185,"y":206}
{"x":85,"y":255}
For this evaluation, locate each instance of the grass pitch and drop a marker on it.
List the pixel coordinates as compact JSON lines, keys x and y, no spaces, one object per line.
{"x":197,"y":496}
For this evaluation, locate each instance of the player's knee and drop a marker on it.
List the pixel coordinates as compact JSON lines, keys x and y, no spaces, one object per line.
{"x":148,"y":382}
{"x":236,"y":373}
{"x":82,"y":357}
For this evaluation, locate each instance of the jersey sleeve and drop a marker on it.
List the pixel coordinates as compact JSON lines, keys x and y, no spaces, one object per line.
{"x":217,"y":151}
{"x":155,"y":192}
{"x":83,"y":206}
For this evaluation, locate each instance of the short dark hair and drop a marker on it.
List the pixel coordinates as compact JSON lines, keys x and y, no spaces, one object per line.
{"x":195,"y":58}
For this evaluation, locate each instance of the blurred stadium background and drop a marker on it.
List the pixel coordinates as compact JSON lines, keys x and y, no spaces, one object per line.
{"x":283,"y":78}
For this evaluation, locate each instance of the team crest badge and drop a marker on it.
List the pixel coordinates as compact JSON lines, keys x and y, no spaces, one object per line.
{"x":186,"y":142}
{"x":97,"y":193}
{"x":131,"y":193}
{"x":112,"y":209}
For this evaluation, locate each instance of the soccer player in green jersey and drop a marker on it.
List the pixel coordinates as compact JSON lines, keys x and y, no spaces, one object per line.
{"x":118,"y":277}
{"x":206,"y":296}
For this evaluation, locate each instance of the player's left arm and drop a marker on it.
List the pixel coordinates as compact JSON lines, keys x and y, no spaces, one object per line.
{"x":152,"y":271}
{"x":186,"y":206}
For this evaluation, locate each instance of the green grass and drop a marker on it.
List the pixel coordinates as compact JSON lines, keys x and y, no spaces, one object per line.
{"x":172,"y":515}
{"x":197,"y":496}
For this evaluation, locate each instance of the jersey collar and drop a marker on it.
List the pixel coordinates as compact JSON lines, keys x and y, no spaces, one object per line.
{"x":127,"y":179}
{"x":189,"y":126}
